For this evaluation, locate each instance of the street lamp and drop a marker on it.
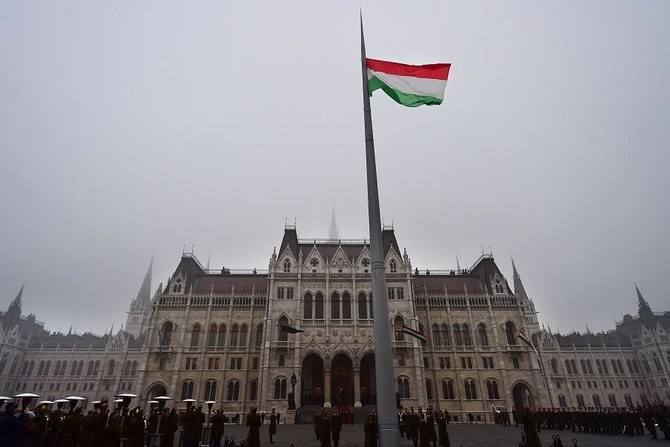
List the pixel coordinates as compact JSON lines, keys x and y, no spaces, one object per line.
{"x":291,"y":404}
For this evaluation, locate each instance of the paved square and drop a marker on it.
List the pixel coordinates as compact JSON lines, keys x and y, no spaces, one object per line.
{"x":461,"y":435}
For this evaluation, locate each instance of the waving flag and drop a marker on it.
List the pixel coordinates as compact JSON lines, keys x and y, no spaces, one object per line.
{"x":409,"y":85}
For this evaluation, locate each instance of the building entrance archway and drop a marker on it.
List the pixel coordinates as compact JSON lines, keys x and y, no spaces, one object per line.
{"x":311,"y":380}
{"x":523,"y":396}
{"x":368,"y":381}
{"x":155,"y":391}
{"x":342,"y":380}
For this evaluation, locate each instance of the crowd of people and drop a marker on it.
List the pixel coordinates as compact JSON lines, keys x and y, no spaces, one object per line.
{"x":65,"y":424}
{"x":609,"y":421}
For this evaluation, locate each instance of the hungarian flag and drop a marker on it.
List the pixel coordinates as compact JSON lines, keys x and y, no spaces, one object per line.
{"x":411,"y":332}
{"x":409,"y":85}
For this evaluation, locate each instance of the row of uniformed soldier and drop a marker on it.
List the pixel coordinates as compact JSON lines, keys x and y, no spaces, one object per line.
{"x":614,"y":421}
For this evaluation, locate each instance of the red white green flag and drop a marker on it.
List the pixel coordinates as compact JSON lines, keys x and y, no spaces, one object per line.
{"x":409,"y":85}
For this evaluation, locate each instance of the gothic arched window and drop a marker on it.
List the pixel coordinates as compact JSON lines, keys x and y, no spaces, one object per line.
{"x":403,"y":387}
{"x":282,"y":335}
{"x":253,"y":390}
{"x":448,"y":389}
{"x":287,"y":266}
{"x":244,"y":331}
{"x":510,"y":332}
{"x":308,"y":307}
{"x":187,"y":389}
{"x":437,"y":340}
{"x":210,"y":390}
{"x":211,"y":335}
{"x":554,"y":366}
{"x":398,"y":324}
{"x":482,"y":335}
{"x":233,"y":390}
{"x":362,"y":306}
{"x":318,"y":306}
{"x":470,"y":389}
{"x":467,"y":341}
{"x":280,"y":388}
{"x":446,"y":339}
{"x":429,"y":389}
{"x":458,"y":336}
{"x":259,"y":335}
{"x":221,"y":338}
{"x":393,"y":266}
{"x":195,"y":335}
{"x":346,"y":306}
{"x":166,"y":334}
{"x":335,"y":306}
{"x":234,"y":335}
{"x":492,"y":388}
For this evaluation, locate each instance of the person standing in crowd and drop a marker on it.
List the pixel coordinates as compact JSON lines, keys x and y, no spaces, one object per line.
{"x":317,"y":424}
{"x":272,"y":429}
{"x":413,"y":427}
{"x":10,"y":424}
{"x":324,"y":430}
{"x":529,"y":422}
{"x":169,"y":426}
{"x":218,"y":428}
{"x":336,"y":427}
{"x":430,"y":423}
{"x":370,"y":431}
{"x":254,"y":424}
{"x":442,"y":429}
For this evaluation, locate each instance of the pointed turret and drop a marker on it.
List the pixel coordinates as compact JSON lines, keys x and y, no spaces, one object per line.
{"x":643,"y":306}
{"x":13,"y":315}
{"x":144,"y":294}
{"x":139,"y":308}
{"x":333,"y":233}
{"x":518,"y":285}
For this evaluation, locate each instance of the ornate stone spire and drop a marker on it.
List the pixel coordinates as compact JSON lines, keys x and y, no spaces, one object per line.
{"x":333,"y":233}
{"x":13,"y":314}
{"x":518,"y":285}
{"x":643,"y":306}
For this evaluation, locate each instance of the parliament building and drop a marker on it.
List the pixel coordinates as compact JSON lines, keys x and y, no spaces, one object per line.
{"x":221,"y":335}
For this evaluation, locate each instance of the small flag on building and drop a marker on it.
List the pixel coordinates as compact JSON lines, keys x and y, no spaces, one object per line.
{"x":409,"y":85}
{"x":289,"y":329}
{"x":416,"y":334}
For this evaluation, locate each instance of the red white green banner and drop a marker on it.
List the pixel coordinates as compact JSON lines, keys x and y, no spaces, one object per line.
{"x":409,"y":85}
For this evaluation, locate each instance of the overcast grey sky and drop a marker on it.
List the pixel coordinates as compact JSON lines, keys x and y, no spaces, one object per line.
{"x":130,"y":129}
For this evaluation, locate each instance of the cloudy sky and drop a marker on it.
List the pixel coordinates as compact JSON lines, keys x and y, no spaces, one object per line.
{"x":132,"y":129}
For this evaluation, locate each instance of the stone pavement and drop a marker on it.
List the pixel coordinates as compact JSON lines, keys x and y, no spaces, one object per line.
{"x":461,"y":435}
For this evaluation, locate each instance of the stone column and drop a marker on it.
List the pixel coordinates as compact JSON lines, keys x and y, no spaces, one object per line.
{"x":357,"y":388}
{"x":326,"y":387}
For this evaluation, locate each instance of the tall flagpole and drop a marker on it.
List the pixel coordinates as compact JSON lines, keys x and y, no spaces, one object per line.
{"x":386,"y":403}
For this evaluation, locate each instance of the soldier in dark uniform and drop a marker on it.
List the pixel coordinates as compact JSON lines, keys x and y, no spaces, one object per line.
{"x":40,"y":425}
{"x":317,"y":425}
{"x":254,"y":424}
{"x":218,"y":427}
{"x":529,"y":422}
{"x":272,"y":429}
{"x":442,"y":430}
{"x":71,"y":429}
{"x":430,"y":425}
{"x":370,"y":431}
{"x":169,"y":426}
{"x":336,"y":428}
{"x":413,"y":427}
{"x":324,"y":430}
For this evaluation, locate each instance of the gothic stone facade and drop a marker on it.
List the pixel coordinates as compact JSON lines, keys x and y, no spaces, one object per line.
{"x":216,"y":335}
